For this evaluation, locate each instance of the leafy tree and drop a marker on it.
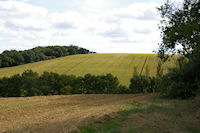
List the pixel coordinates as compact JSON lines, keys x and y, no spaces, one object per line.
{"x":140,"y":84}
{"x":66,"y":90}
{"x":30,"y":81}
{"x":4,"y":84}
{"x":180,"y":26}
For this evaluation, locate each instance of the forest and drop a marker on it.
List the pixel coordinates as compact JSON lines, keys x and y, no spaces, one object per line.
{"x":13,"y":58}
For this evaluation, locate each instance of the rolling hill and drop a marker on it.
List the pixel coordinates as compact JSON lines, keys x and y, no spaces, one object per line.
{"x":120,"y":65}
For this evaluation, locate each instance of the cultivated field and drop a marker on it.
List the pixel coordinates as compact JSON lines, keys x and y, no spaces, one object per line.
{"x":53,"y":114}
{"x":120,"y":65}
{"x":142,"y":113}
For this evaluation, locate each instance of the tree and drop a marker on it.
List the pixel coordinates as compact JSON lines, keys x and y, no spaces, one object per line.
{"x":180,"y":26}
{"x":13,"y":57}
{"x":30,"y":82}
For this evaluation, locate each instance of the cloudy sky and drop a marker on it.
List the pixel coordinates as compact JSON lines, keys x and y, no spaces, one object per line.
{"x":104,"y":26}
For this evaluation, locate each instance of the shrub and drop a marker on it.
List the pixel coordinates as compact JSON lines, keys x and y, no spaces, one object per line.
{"x":180,"y":90}
{"x":181,"y":81}
{"x":66,"y":90}
{"x":140,"y":84}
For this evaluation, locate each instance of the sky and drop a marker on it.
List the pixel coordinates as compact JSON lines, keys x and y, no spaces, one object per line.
{"x":103,"y":26}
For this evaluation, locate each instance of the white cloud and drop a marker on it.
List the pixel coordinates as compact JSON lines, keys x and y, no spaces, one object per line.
{"x":127,"y":29}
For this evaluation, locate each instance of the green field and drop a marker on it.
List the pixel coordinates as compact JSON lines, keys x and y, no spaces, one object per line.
{"x":120,"y":65}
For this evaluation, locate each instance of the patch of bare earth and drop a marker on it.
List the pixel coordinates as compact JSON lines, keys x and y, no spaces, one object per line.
{"x":59,"y":113}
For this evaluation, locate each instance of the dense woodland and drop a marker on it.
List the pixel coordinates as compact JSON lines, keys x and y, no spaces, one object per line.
{"x":14,"y":58}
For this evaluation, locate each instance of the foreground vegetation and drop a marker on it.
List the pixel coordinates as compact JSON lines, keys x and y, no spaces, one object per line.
{"x":52,"y":114}
{"x":180,"y":27}
{"x":99,"y":114}
{"x":153,"y":116}
{"x":119,"y":65}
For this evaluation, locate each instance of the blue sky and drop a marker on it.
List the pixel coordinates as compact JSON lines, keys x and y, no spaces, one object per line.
{"x":104,"y":26}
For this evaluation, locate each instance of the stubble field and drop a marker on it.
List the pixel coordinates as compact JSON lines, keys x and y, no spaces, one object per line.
{"x":51,"y":114}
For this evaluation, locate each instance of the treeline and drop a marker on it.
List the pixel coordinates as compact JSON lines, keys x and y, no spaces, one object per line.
{"x":14,"y":58}
{"x":181,"y":81}
{"x":29,"y":83}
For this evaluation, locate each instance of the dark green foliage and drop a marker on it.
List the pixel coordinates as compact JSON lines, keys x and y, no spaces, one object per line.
{"x":181,"y":81}
{"x":180,"y":90}
{"x":29,"y":86}
{"x":145,"y":84}
{"x":180,"y":26}
{"x":123,"y":90}
{"x":102,"y":84}
{"x":136,"y":85}
{"x":14,"y":58}
{"x":142,"y":84}
{"x":49,"y":83}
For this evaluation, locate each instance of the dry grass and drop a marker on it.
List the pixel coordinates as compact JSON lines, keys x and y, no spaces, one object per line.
{"x":59,"y":113}
{"x":153,"y":116}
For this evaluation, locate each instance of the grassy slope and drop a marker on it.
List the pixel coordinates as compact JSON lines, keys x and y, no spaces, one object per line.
{"x":120,"y":65}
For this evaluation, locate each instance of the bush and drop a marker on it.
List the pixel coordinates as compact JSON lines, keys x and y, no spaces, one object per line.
{"x":140,"y":84}
{"x":180,"y":90}
{"x":181,"y":81}
{"x":66,"y":90}
{"x":123,"y":90}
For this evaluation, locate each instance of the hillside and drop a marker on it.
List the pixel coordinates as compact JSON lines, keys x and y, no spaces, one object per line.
{"x":120,"y":65}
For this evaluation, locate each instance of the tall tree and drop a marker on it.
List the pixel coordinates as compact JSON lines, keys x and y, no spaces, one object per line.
{"x":180,"y":26}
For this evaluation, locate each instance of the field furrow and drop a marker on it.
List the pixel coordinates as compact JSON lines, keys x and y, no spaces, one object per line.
{"x":120,"y":65}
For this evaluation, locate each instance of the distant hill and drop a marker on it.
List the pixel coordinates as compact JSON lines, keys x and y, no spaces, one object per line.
{"x":120,"y":65}
{"x":14,"y":58}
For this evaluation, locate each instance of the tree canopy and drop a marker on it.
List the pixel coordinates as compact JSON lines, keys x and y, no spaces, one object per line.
{"x":180,"y":28}
{"x":14,"y":58}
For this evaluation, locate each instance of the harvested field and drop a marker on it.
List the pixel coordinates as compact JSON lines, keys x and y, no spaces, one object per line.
{"x":60,"y":113}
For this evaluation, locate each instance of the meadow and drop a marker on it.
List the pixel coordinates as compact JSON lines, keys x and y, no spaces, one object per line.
{"x":120,"y":65}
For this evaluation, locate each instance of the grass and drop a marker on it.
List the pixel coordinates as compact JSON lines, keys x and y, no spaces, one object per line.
{"x":120,"y":65}
{"x":141,"y":113}
{"x":52,"y":114}
{"x":154,"y":116}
